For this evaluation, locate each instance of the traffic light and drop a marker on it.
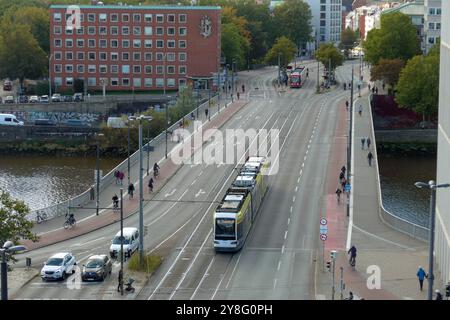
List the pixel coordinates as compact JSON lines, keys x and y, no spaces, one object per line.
{"x":333,"y":254}
{"x":329,"y":265}
{"x":447,"y":290}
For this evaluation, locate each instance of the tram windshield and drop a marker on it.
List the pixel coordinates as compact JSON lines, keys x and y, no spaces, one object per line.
{"x":225,"y":229}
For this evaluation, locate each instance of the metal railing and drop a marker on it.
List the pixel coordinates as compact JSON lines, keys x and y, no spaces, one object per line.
{"x":62,"y":208}
{"x":414,"y":230}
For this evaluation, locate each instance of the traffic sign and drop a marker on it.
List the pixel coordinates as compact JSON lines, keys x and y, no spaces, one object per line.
{"x":323,"y":229}
{"x":323,"y":221}
{"x":323,"y":237}
{"x":347,"y":187}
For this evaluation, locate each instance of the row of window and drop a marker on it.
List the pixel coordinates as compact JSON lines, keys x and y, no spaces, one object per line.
{"x":125,"y":17}
{"x":434,"y":11}
{"x":125,"y":31}
{"x":434,"y":25}
{"x":137,"y":82}
{"x":125,"y":69}
{"x":126,"y":56}
{"x":114,"y":43}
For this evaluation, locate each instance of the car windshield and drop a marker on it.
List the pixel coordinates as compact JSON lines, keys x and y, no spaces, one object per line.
{"x":116,"y":240}
{"x":55,"y":262}
{"x":94,"y":263}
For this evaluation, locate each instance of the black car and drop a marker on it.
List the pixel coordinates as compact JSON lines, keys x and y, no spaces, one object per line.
{"x":23,"y":99}
{"x":67,"y":99}
{"x":96,"y":268}
{"x":44,"y":122}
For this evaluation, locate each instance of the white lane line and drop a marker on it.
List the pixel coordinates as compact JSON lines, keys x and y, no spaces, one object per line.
{"x":282,"y":249}
{"x":279,"y":265}
{"x":176,"y":231}
{"x":304,"y":159}
{"x":171,"y":193}
{"x":307,"y":150}
{"x":232,"y":272}
{"x":85,"y":243}
{"x":200,"y":192}
{"x":168,"y":210}
{"x":296,"y":188}
{"x":203,"y":278}
{"x":292,"y":208}
{"x":289,"y":221}
{"x":293,"y":199}
{"x":298,"y":180}
{"x":275,"y":283}
{"x":193,"y":182}
{"x":285,"y":235}
{"x":301,"y":171}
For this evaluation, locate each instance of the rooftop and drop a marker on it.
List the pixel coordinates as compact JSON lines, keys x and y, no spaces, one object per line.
{"x":128,"y":7}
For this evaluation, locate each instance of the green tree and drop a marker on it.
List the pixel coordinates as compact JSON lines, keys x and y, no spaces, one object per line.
{"x":348,"y":40}
{"x":293,"y":19}
{"x":328,"y":52}
{"x":14,"y":225}
{"x":418,"y":84}
{"x":20,"y":54}
{"x":396,"y":39}
{"x":233,"y":44}
{"x":283,"y":47}
{"x":387,"y":71}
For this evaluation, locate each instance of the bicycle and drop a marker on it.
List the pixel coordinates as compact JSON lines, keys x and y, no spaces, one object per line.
{"x":70,"y":222}
{"x":40,"y":217}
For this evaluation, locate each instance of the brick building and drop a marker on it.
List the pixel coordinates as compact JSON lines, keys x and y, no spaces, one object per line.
{"x":133,"y":47}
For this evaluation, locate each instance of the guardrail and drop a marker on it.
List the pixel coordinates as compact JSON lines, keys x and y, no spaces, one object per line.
{"x":62,"y":208}
{"x":414,"y":230}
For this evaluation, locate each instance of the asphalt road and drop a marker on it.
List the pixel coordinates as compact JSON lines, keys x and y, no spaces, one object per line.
{"x":278,"y":259}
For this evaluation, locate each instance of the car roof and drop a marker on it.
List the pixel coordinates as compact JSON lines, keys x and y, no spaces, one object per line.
{"x":60,"y":255}
{"x":97,"y":256}
{"x":127,"y":231}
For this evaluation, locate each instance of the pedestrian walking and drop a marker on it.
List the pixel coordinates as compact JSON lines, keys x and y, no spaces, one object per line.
{"x":206,"y":113}
{"x":350,"y":296}
{"x":369,"y":158}
{"x":121,"y":176}
{"x":341,"y":176}
{"x":421,"y":275}
{"x":438,"y":295}
{"x":120,"y":280}
{"x":343,"y":169}
{"x":131,"y":190}
{"x":243,"y":88}
{"x":363,"y":140}
{"x":360,"y":110}
{"x":368,"y":142}
{"x":338,"y":194}
{"x":116,"y":175}
{"x":349,"y":85}
{"x":92,"y":193}
{"x":343,"y":183}
{"x":150,"y":185}
{"x":238,"y":95}
{"x":346,"y":105}
{"x":368,"y":86}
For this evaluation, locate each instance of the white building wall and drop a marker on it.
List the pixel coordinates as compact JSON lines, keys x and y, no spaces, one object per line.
{"x":442,"y":242}
{"x":326,"y":20}
{"x":432,"y":22}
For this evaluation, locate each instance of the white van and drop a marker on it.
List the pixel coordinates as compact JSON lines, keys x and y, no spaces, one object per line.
{"x":130,"y":243}
{"x":9,"y":120}
{"x":115,"y":122}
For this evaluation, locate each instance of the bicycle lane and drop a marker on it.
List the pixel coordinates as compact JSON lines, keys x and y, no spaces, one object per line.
{"x":167,"y":169}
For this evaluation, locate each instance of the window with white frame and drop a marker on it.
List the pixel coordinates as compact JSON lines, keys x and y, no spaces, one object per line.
{"x":136,"y":69}
{"x":103,"y":56}
{"x":159,"y":18}
{"x":148,"y":56}
{"x":182,"y":18}
{"x":136,"y":17}
{"x":69,"y":81}
{"x":80,"y":31}
{"x":57,"y":30}
{"x":171,"y":44}
{"x":103,"y":31}
{"x":438,"y":11}
{"x":69,"y":30}
{"x":125,"y":43}
{"x":148,"y":69}
{"x":80,"y":68}
{"x":148,"y":17}
{"x":431,"y":25}
{"x":92,"y":68}
{"x":159,"y":82}
{"x":114,"y":17}
{"x":170,"y":18}
{"x":170,"y":31}
{"x":57,"y":81}
{"x":432,"y":11}
{"x":125,"y":31}
{"x":91,"y":43}
{"x":171,"y":82}
{"x":125,"y":82}
{"x":57,"y":43}
{"x":80,"y":55}
{"x":136,"y":43}
{"x":148,"y":31}
{"x":58,"y":55}
{"x":136,"y":31}
{"x":103,"y":68}
{"x":182,"y":31}
{"x":114,"y":56}
{"x":81,"y":17}
{"x":171,"y":69}
{"x":160,"y":43}
{"x":181,"y":83}
{"x":125,"y":68}
{"x":103,"y":43}
{"x":136,"y":56}
{"x":92,"y":81}
{"x":136,"y":82}
{"x":114,"y":43}
{"x":182,"y":44}
{"x":148,"y":82}
{"x":80,"y":43}
{"x":57,"y":68}
{"x":91,"y":17}
{"x":57,"y":17}
{"x":159,"y":69}
{"x":182,"y":56}
{"x":69,"y":68}
{"x":114,"y":68}
{"x":69,"y":43}
{"x":431,"y":40}
{"x":159,"y":56}
{"x":102,"y":17}
{"x":114,"y":82}
{"x":159,"y":31}
{"x":125,"y":56}
{"x":147,"y":43}
{"x":69,"y":55}
{"x":91,"y":56}
{"x":181,"y":69}
{"x":125,"y":17}
{"x":91,"y":30}
{"x":438,"y":26}
{"x":170,"y":56}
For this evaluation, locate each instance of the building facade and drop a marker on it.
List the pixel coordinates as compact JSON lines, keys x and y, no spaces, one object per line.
{"x":133,"y":47}
{"x":442,"y":240}
{"x":432,"y":23}
{"x":326,"y":20}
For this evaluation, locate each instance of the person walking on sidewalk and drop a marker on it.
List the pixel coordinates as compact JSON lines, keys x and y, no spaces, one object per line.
{"x":346,"y":105}
{"x":121,"y":176}
{"x":350,"y":296}
{"x":338,"y":194}
{"x":150,"y":185}
{"x":238,"y":95}
{"x":363,"y":140}
{"x":131,"y":190}
{"x":206,"y":113}
{"x":360,"y":110}
{"x":369,"y":158}
{"x":421,"y":275}
{"x":343,"y":169}
{"x":243,"y":88}
{"x":116,"y":175}
{"x":92,"y":193}
{"x":352,"y":252}
{"x":368,"y":142}
{"x":438,"y":295}
{"x":341,"y":175}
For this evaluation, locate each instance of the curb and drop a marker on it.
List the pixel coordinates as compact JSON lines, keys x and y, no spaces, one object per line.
{"x":25,"y":283}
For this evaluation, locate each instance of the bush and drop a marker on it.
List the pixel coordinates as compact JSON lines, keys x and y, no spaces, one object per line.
{"x":151,"y":263}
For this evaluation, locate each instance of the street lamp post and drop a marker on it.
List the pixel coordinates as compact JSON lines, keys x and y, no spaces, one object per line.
{"x":97,"y":206}
{"x":167,"y":123}
{"x":8,"y":247}
{"x":279,"y":70}
{"x":349,"y":146}
{"x":148,"y":148}
{"x":432,"y":186}
{"x":128,"y":157}
{"x":49,"y":78}
{"x":121,"y":239}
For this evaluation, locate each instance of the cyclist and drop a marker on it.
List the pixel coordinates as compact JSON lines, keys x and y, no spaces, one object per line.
{"x":115,"y":200}
{"x":352,"y":252}
{"x":155,"y":169}
{"x":338,"y":193}
{"x":70,"y":221}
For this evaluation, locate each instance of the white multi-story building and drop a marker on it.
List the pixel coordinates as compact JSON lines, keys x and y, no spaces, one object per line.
{"x":326,"y":21}
{"x":432,"y":23}
{"x":442,"y":240}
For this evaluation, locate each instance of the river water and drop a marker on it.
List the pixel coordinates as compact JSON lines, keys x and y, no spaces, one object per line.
{"x":400,"y":196}
{"x":43,"y":180}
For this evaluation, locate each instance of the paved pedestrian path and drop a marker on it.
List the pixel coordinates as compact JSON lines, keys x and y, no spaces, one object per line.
{"x":387,"y":260}
{"x":51,"y":231}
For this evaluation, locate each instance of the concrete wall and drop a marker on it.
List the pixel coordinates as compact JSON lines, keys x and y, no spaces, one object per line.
{"x":81,"y":107}
{"x":42,"y":132}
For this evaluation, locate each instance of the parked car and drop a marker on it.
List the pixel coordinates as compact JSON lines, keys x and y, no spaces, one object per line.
{"x":34,"y":99}
{"x":77,"y":97}
{"x":9,"y":99}
{"x":9,"y":120}
{"x":1,"y":100}
{"x":115,"y":122}
{"x":56,"y":97}
{"x":44,"y":99}
{"x":97,"y":267}
{"x":67,"y":98}
{"x":23,"y":99}
{"x":77,"y":123}
{"x":130,"y":242}
{"x":7,"y":85}
{"x":44,"y":122}
{"x":58,"y":266}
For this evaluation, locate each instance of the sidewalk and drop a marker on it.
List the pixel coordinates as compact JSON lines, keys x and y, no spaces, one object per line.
{"x":19,"y":277}
{"x":52,"y":232}
{"x":394,"y":255}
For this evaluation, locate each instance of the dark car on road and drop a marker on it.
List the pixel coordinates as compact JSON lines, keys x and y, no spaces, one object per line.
{"x":97,"y":267}
{"x":78,"y":97}
{"x":23,"y":99}
{"x":44,"y":122}
{"x":67,"y":99}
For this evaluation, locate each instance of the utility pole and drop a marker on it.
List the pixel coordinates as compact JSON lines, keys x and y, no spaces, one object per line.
{"x":333,"y":261}
{"x":342,"y":283}
{"x":318,"y":79}
{"x":279,"y":70}
{"x":128,"y":151}
{"x":349,"y":147}
{"x":218,"y":90}
{"x":121,"y":239}
{"x":329,"y":73}
{"x":148,"y":148}
{"x":141,"y":199}
{"x":167,"y":123}
{"x":98,"y":179}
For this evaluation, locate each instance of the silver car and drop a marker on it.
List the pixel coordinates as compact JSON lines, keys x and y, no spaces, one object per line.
{"x":96,"y":268}
{"x":58,"y":266}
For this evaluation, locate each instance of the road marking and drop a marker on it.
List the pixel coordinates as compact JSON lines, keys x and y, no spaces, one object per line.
{"x":168,"y":210}
{"x":171,"y":193}
{"x":293,"y":199}
{"x":84,"y":243}
{"x":304,"y":158}
{"x":279,"y":265}
{"x":275,"y":283}
{"x":296,"y":189}
{"x":203,"y":278}
{"x":285,"y":234}
{"x":193,"y":182}
{"x":200,"y":192}
{"x":298,"y":180}
{"x":289,"y":221}
{"x":307,"y":150}
{"x":232,"y":272}
{"x":291,"y":209}
{"x":282,"y":249}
